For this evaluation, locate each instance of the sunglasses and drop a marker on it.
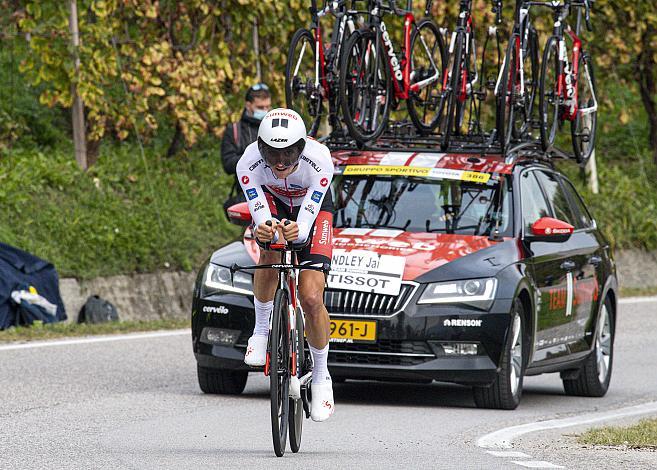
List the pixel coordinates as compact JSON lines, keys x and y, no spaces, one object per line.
{"x":258,"y":87}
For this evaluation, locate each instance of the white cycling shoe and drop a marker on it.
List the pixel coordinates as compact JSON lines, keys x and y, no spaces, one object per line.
{"x":322,"y":405}
{"x":256,"y":351}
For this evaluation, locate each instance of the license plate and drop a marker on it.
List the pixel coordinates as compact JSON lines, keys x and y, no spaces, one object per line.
{"x":353,"y":331}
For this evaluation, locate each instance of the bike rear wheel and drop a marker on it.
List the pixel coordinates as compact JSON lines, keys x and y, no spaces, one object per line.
{"x":301,"y":91}
{"x":279,"y":371}
{"x":491,"y":59}
{"x":365,"y":87}
{"x":451,"y":95}
{"x":506,"y":95}
{"x":549,"y":96}
{"x":583,"y":127}
{"x":296,"y":406}
{"x":427,"y":59}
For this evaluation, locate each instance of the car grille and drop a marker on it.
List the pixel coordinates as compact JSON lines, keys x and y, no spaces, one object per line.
{"x":384,"y":352}
{"x":345,"y":302}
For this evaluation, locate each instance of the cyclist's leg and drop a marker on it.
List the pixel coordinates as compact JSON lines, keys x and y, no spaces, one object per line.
{"x":311,"y":295}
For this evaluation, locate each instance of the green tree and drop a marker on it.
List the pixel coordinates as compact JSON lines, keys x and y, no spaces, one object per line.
{"x":145,"y":63}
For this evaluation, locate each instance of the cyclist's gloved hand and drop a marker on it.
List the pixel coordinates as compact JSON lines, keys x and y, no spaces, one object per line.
{"x":266,"y":231}
{"x":290,"y":230}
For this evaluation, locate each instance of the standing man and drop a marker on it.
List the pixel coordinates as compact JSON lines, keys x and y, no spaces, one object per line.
{"x":286,"y":176}
{"x":239,"y":135}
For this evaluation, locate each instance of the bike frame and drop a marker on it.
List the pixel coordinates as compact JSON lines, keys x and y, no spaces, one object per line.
{"x":520,"y":30}
{"x":337,"y":38}
{"x":465,"y":26}
{"x":401,"y":69}
{"x":567,"y":83}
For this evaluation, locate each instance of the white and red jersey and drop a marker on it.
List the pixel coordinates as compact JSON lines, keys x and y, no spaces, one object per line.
{"x":306,"y":186}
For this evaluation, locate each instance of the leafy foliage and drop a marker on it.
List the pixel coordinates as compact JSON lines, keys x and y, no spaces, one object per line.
{"x":179,"y":60}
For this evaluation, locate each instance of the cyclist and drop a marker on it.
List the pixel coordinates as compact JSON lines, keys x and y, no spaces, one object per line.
{"x":286,"y":176}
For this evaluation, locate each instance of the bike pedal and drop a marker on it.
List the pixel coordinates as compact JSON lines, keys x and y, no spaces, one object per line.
{"x":535,"y":124}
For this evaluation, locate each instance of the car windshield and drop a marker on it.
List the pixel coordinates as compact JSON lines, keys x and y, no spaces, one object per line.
{"x":423,"y":205}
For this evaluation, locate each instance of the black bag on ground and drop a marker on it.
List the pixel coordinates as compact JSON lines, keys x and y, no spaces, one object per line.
{"x":97,"y":310}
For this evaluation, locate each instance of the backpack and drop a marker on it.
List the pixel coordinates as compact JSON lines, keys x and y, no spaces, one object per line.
{"x":97,"y":310}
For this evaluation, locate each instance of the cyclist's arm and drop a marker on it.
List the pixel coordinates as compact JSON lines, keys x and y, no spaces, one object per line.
{"x":253,"y":192}
{"x":312,"y":203}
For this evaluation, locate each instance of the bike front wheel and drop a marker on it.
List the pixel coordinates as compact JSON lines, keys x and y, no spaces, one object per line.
{"x":279,"y":371}
{"x":302,"y":88}
{"x":549,"y":97}
{"x":451,"y":94}
{"x":365,"y":87}
{"x":427,"y":59}
{"x":582,"y":128}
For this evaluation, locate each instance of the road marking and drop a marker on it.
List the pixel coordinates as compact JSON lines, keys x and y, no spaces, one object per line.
{"x":503,"y":438}
{"x":637,"y":300}
{"x":513,"y":454}
{"x":536,"y":464}
{"x":95,"y":339}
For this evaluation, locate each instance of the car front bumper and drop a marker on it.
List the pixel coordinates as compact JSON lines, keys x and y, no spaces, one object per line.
{"x":410,"y":344}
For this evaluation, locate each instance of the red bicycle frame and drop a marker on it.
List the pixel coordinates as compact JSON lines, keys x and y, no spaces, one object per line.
{"x":567,"y":86}
{"x":401,"y":71}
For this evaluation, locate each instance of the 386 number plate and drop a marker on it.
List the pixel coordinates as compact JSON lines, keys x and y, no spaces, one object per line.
{"x":353,"y":331}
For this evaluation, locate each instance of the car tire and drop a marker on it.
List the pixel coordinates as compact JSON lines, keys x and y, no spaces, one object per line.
{"x":505,"y":392}
{"x":220,"y":381}
{"x":595,"y":374}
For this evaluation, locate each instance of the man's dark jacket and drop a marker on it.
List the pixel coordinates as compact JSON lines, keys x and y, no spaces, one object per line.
{"x":232,"y":151}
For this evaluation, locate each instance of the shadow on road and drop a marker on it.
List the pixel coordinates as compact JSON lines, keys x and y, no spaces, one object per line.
{"x":437,"y":394}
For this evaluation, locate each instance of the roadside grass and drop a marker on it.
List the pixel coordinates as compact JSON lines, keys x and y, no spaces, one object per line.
{"x":66,"y":330}
{"x":638,"y":291}
{"x":639,"y":436}
{"x":125,"y":215}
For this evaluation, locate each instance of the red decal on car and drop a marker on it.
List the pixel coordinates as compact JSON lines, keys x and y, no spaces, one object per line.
{"x":245,"y":179}
{"x":324,"y":182}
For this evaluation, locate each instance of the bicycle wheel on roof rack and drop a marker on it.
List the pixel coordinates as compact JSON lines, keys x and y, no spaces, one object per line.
{"x":549,"y":99}
{"x":279,"y":372}
{"x":507,"y":94}
{"x":451,"y":93}
{"x":301,"y":91}
{"x":365,"y":87}
{"x":491,"y":59}
{"x":427,"y":65}
{"x":583,"y":127}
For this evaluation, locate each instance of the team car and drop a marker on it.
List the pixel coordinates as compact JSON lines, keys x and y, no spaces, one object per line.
{"x":467,"y":268}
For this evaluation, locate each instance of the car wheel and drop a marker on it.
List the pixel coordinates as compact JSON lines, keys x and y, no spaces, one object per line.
{"x":222,"y":382}
{"x":595,"y":374}
{"x":505,"y":392}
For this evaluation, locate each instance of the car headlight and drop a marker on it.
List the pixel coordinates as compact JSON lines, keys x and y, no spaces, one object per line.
{"x":478,"y":293}
{"x":218,"y":278}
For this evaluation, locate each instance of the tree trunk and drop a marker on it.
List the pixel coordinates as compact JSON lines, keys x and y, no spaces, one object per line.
{"x":176,"y":142}
{"x":93,"y":147}
{"x":645,"y":71}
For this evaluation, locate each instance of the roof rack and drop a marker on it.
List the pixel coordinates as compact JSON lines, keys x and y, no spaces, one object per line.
{"x":403,"y":135}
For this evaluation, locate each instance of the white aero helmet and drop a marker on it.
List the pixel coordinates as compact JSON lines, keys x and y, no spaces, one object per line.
{"x":281,"y":137}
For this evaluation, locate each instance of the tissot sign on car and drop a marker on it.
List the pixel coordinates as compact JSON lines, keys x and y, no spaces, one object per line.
{"x":463,"y":268}
{"x":366,"y":271}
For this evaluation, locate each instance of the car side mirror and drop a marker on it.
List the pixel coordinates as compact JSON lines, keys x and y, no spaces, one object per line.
{"x":548,"y":229}
{"x":239,"y":214}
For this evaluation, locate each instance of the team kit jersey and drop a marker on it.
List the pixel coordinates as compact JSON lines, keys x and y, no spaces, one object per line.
{"x":304,"y":196}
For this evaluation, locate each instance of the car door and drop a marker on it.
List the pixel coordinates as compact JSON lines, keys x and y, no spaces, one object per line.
{"x":549,"y":263}
{"x":563,"y":313}
{"x":589,"y":273}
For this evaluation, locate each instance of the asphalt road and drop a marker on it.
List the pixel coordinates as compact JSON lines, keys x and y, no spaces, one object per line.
{"x":136,"y":404}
